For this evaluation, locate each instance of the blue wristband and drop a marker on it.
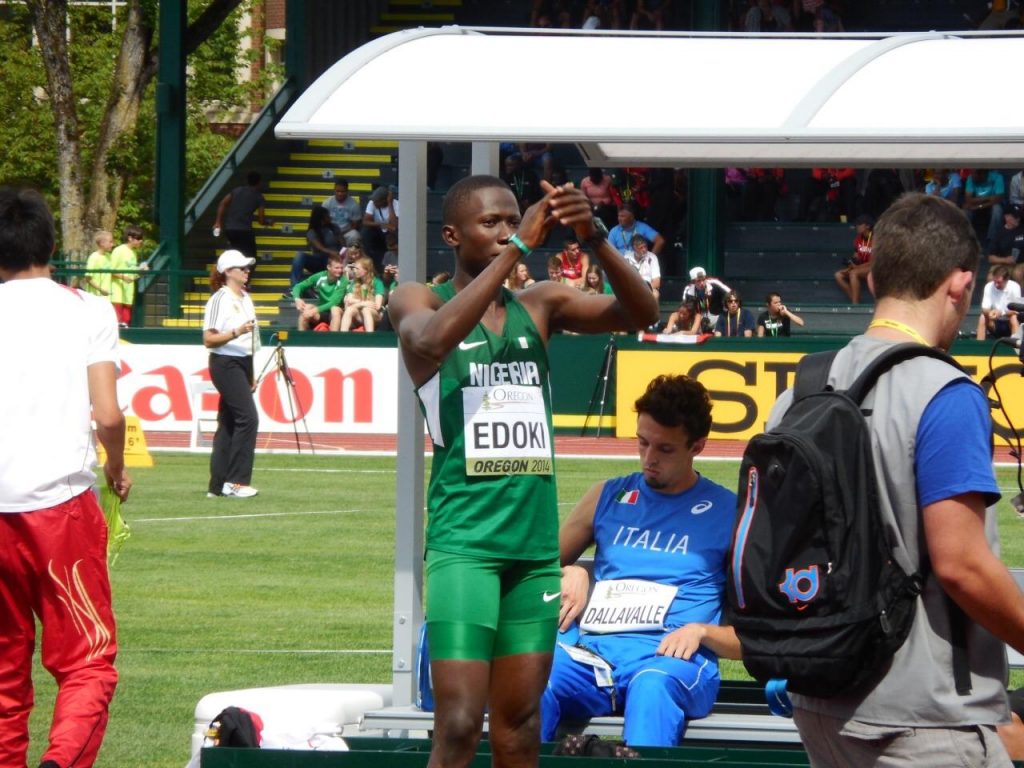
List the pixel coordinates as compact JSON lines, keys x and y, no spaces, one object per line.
{"x":517,"y":241}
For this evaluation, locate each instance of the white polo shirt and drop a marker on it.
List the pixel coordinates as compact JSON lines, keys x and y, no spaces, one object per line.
{"x":52,"y":334}
{"x":224,"y":313}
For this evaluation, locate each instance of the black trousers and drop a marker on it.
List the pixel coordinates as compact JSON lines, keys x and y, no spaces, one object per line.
{"x":234,"y":444}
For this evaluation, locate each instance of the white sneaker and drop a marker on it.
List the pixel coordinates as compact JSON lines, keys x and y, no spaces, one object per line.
{"x":211,"y":495}
{"x":238,"y":491}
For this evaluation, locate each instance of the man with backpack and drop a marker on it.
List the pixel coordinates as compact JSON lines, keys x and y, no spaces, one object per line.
{"x":937,"y":698}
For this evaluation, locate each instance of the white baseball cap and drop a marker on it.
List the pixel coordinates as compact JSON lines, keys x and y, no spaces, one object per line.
{"x":231,"y":259}
{"x":697,"y":273}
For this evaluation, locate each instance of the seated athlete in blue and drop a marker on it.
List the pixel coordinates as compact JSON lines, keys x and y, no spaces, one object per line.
{"x":647,"y":642}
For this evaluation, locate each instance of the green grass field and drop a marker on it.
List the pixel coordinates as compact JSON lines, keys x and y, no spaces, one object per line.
{"x":292,"y":586}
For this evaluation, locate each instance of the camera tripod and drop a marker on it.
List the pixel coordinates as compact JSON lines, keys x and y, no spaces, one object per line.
{"x":280,"y":366}
{"x":601,"y":387}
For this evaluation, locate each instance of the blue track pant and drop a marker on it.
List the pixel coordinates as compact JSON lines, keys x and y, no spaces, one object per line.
{"x":656,"y":694}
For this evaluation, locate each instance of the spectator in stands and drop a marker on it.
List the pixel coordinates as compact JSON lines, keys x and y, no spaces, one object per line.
{"x":391,"y":252}
{"x":996,"y":319}
{"x":709,"y":293}
{"x":381,"y":216}
{"x":389,"y":276}
{"x":760,"y":17}
{"x":945,"y":184}
{"x":633,"y":187}
{"x":735,"y":321}
{"x":686,"y":320}
{"x":539,"y":157}
{"x":858,"y":265}
{"x":658,"y":667}
{"x":646,"y":263}
{"x":1007,"y":247}
{"x":327,"y":289}
{"x":523,"y":181}
{"x":829,"y":194}
{"x":604,"y":14}
{"x":574,"y":263}
{"x":125,"y":259}
{"x":983,"y":201}
{"x":551,"y":13}
{"x":235,"y":212}
{"x":826,"y":18}
{"x":595,"y":282}
{"x":345,"y":212}
{"x":324,"y":240}
{"x":555,"y":269}
{"x":1015,"y":196}
{"x":519,"y":278}
{"x":650,"y":14}
{"x":776,"y":319}
{"x":622,"y":234}
{"x":363,"y":301}
{"x":97,"y":280}
{"x":600,"y":191}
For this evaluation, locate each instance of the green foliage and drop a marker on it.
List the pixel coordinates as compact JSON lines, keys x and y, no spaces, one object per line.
{"x":27,"y":131}
{"x":25,"y":159}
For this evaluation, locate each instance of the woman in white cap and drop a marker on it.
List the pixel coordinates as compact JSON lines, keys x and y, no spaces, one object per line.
{"x":229,"y":332}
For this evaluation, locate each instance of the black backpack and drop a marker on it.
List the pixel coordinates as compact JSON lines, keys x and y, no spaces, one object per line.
{"x":813,"y":589}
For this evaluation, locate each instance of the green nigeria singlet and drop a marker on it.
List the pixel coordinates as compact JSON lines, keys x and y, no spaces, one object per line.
{"x":488,"y":410}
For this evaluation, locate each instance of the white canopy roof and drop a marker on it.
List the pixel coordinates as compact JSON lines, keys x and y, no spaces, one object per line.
{"x":684,"y":99}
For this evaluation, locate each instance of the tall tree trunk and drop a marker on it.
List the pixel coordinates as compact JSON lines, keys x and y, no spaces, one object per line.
{"x":49,"y":19}
{"x":136,"y":66}
{"x":133,"y":72}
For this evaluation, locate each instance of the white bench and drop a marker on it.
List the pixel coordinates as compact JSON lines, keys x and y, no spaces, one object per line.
{"x":336,"y":708}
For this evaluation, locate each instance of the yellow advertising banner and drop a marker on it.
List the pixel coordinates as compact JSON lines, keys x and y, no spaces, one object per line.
{"x":744,"y":385}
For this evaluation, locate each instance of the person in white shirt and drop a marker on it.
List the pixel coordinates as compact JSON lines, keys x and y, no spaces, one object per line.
{"x":57,"y":379}
{"x":996,"y":319}
{"x":646,"y":263}
{"x":229,"y":332}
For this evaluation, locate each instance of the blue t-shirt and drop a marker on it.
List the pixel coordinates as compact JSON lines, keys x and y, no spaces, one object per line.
{"x":622,"y":239}
{"x":952,"y":454}
{"x":992,"y":185}
{"x":679,"y":539}
{"x":729,"y":325}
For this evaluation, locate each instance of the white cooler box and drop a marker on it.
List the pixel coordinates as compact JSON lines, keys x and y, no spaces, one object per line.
{"x":326,"y":707}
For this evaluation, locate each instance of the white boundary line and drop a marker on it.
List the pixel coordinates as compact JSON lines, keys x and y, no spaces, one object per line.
{"x":242,"y":516}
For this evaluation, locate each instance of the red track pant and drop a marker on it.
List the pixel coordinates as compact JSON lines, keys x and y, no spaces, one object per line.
{"x":53,"y":563}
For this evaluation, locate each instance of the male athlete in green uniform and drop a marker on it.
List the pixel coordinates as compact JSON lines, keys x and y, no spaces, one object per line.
{"x":477,"y":355}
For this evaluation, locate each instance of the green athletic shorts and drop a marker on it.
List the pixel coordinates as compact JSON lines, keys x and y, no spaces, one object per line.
{"x":479,"y":609}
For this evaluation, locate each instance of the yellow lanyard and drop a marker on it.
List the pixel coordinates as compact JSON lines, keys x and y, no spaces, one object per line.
{"x":896,"y":325}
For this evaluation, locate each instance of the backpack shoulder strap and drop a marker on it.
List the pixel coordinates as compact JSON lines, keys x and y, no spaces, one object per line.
{"x":889,"y":358}
{"x":812,"y":373}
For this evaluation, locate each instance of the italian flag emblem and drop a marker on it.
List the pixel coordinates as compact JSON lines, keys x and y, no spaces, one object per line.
{"x":628,"y":497}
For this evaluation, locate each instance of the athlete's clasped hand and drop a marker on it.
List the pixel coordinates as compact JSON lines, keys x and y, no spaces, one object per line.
{"x":563,"y":205}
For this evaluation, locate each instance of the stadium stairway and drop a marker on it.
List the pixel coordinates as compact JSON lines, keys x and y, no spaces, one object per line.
{"x":304,"y":178}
